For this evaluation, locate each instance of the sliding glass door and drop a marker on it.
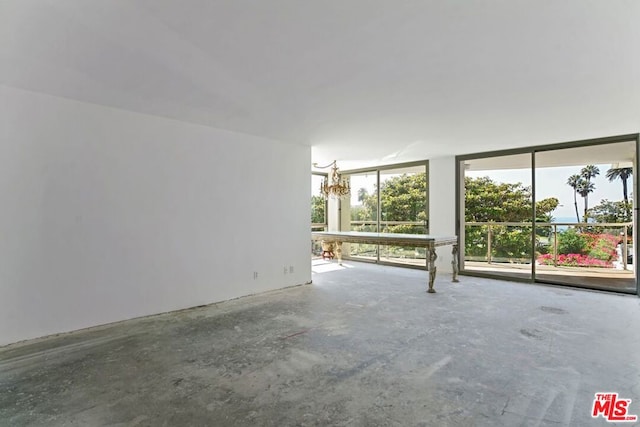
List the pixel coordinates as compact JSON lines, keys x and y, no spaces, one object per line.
{"x":362,"y":213}
{"x":403,"y":209}
{"x":388,"y":199}
{"x":560,"y":214}
{"x":498,"y":212}
{"x":588,"y":237}
{"x":318,"y":211}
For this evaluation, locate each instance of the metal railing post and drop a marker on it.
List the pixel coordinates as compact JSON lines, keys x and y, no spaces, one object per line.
{"x":625,"y":249}
{"x":599,"y":228}
{"x":489,"y":244}
{"x":555,"y":245}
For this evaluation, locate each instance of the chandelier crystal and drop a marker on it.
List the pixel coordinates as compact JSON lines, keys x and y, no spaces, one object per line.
{"x":334,"y":185}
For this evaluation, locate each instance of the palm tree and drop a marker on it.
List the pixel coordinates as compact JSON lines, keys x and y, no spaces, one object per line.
{"x":584,"y":188}
{"x":574,"y":182}
{"x":623,"y":174}
{"x":362,"y":194}
{"x":587,"y":172}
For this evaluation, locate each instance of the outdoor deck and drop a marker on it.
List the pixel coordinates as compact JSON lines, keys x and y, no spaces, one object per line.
{"x":590,"y":277}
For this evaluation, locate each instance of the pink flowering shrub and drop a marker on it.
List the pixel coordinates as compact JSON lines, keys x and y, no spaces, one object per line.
{"x":593,"y":250}
{"x":574,"y":260}
{"x":602,"y":246}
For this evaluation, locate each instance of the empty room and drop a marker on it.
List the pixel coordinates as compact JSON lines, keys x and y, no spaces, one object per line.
{"x":350,"y":213}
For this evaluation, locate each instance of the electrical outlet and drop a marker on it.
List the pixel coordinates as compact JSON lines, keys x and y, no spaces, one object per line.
{"x":285,"y":270}
{"x":255,"y":275}
{"x":291,"y":269}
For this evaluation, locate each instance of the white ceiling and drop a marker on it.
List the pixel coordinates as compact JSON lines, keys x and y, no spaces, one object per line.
{"x":361,"y":81}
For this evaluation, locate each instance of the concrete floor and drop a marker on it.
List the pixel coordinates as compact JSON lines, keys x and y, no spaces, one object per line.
{"x":365,"y":345}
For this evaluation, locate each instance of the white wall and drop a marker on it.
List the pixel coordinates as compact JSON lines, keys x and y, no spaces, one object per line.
{"x":108,"y":215}
{"x":442,"y":205}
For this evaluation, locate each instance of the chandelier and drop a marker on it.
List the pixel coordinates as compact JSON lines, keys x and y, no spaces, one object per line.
{"x":334,"y":185}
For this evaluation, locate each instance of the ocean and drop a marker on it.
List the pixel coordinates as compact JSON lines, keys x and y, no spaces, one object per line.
{"x":568,"y":219}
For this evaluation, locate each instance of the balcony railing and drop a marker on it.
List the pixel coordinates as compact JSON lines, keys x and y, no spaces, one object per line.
{"x":511,"y":241}
{"x":318,"y":227}
{"x":393,"y":254}
{"x":409,"y":227}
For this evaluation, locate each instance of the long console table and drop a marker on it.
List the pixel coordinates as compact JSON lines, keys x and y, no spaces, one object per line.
{"x":337,"y":238}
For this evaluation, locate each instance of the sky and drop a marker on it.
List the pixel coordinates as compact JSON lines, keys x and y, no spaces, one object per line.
{"x":552,"y":182}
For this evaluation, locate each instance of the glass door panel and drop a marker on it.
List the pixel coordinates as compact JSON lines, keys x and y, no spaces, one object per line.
{"x":318,"y":212}
{"x":496,"y":216}
{"x":586,"y":240}
{"x":318,"y":204}
{"x":363,"y":213}
{"x":403,"y":209}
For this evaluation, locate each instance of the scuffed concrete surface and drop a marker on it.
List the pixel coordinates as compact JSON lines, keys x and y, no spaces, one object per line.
{"x":365,"y":345}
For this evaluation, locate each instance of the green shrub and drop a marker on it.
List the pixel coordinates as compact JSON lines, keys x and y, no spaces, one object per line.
{"x":510,"y":242}
{"x":475,"y":241}
{"x":572,"y":242}
{"x":406,"y":229}
{"x":506,"y":242}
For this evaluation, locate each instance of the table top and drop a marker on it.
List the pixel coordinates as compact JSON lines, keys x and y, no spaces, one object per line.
{"x":362,"y":236}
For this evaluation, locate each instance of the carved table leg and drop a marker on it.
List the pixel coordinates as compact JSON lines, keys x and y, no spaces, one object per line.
{"x":454,"y":263}
{"x":432,"y":270}
{"x":339,"y":252}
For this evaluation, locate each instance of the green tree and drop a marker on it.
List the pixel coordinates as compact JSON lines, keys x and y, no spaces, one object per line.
{"x":589,"y":171}
{"x":318,"y":210}
{"x":623,"y":174}
{"x":367,"y":210}
{"x":402,"y":198}
{"x":574,"y":182}
{"x":610,"y":211}
{"x":362,"y":194}
{"x":586,"y":186}
{"x":487,"y":200}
